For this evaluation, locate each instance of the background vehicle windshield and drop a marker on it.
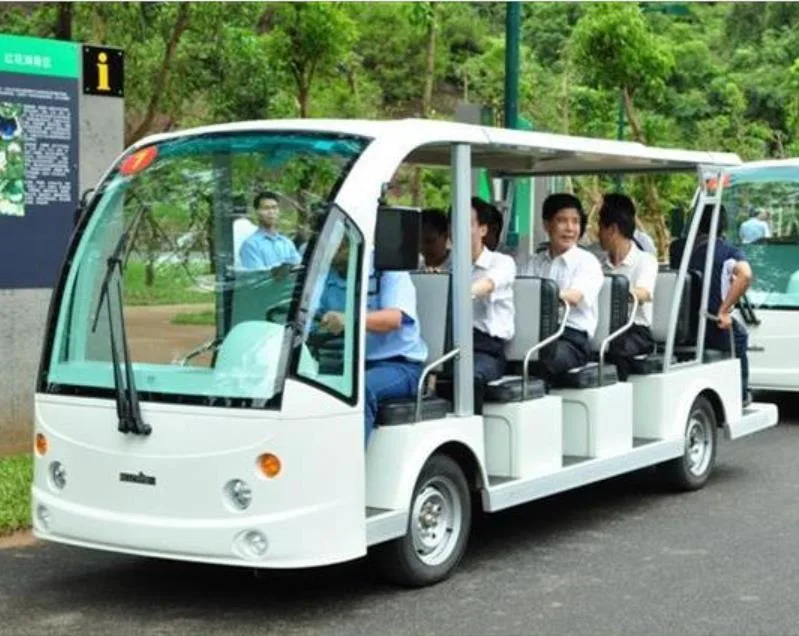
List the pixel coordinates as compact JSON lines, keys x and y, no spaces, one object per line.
{"x":218,"y":229}
{"x":763,"y":220}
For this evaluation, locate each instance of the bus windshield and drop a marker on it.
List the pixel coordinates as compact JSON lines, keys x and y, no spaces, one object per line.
{"x":193,"y":255}
{"x":762,"y":205}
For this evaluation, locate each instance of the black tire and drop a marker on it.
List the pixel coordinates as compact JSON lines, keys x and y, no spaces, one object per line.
{"x":692,"y":470}
{"x":404,"y":561}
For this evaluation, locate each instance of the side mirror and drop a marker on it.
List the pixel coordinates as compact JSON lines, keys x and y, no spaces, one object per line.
{"x":81,"y":207}
{"x":397,"y":238}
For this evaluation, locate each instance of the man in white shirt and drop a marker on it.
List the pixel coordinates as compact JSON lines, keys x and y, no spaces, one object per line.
{"x":493,"y":309}
{"x":492,"y":293}
{"x":243,"y":229}
{"x":579,"y":276}
{"x":624,"y":257}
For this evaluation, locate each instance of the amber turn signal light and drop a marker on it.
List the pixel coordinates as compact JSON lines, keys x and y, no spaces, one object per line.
{"x":40,"y":444}
{"x":269,"y":465}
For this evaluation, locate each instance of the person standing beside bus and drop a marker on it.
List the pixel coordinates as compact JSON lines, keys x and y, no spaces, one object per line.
{"x":730,"y":278}
{"x":266,"y":248}
{"x":624,"y":257}
{"x":579,"y":276}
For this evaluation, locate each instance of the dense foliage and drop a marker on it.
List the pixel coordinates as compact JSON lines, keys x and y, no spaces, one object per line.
{"x":705,"y":76}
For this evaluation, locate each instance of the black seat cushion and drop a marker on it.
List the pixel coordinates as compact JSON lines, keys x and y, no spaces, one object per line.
{"x":585,"y":377}
{"x":402,"y":411}
{"x":509,"y":389}
{"x":648,"y":364}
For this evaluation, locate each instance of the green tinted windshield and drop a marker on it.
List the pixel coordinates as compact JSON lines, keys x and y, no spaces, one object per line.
{"x":762,"y":205}
{"x":217,"y":230}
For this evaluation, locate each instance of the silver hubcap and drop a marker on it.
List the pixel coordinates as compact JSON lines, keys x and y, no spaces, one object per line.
{"x":436,"y":521}
{"x":698,"y":443}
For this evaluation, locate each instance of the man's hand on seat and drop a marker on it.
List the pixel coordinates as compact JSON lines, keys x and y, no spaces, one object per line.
{"x":725,"y":321}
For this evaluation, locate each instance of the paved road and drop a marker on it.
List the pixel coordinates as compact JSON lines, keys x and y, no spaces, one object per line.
{"x":618,"y":557}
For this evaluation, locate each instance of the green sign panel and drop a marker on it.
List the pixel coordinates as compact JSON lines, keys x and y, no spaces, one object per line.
{"x":34,"y":56}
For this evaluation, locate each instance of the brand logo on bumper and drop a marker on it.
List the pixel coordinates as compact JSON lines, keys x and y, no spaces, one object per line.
{"x":141,"y":478}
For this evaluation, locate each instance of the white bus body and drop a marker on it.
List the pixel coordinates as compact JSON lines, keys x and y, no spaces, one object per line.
{"x":773,"y":187}
{"x":258,"y":460}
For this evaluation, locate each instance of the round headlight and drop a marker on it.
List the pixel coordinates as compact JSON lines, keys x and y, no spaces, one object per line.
{"x":58,"y":474}
{"x":239,"y":493}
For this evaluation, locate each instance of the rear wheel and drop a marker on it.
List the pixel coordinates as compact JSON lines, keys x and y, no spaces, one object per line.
{"x":692,"y":470}
{"x":438,"y":527}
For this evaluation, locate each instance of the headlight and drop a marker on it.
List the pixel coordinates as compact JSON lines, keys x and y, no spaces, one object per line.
{"x":239,"y":493}
{"x":58,"y":475}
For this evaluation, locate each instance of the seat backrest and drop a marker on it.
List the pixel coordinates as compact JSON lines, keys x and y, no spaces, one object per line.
{"x":536,"y":314}
{"x":432,"y":309}
{"x":613,"y":307}
{"x":665,"y":289}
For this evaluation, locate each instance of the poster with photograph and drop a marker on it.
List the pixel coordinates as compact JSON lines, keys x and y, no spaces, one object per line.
{"x":12,"y":160}
{"x":39,"y":90}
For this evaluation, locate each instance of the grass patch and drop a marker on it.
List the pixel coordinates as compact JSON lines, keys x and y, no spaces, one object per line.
{"x":16,"y":475}
{"x":195,"y":318}
{"x":172,"y":285}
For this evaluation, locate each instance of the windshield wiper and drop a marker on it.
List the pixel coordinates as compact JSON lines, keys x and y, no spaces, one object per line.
{"x":127,"y":399}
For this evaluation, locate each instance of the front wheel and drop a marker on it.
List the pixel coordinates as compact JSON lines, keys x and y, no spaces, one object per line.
{"x":692,"y":470}
{"x":438,"y":528}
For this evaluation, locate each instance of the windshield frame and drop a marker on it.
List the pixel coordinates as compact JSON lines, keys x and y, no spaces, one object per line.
{"x":752,"y":175}
{"x":59,"y":303}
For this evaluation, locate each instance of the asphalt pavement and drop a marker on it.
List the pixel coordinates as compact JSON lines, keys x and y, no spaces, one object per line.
{"x":624,"y":556}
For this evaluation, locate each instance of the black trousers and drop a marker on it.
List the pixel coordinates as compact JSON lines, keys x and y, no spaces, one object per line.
{"x":489,"y":365}
{"x":634,"y":342}
{"x":571,"y":350}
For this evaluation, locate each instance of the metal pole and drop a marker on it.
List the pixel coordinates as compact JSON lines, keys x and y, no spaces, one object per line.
{"x":461,"y":278}
{"x":620,"y":135}
{"x":512,"y":21}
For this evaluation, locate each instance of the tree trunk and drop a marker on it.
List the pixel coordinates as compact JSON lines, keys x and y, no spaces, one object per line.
{"x":651,"y":212}
{"x":427,"y":98}
{"x":63,"y":29}
{"x":181,"y":23}
{"x":304,"y":96}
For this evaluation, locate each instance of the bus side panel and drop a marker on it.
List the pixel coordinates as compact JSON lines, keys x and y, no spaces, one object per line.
{"x":662,"y":401}
{"x":772,"y":351}
{"x":397,"y":455}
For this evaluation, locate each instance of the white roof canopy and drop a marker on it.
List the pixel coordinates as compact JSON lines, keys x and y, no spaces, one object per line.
{"x":501,"y":150}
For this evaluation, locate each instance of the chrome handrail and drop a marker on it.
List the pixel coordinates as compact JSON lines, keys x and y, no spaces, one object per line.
{"x":541,"y":345}
{"x":612,"y":336}
{"x":422,"y":379}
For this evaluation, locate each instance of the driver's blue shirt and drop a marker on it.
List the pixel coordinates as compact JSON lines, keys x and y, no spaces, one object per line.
{"x":389,"y":290}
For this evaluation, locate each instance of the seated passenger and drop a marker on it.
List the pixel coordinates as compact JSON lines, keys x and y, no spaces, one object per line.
{"x":395,"y":350}
{"x":435,"y":255}
{"x":492,"y":305}
{"x":266,"y":248}
{"x":730,"y":278}
{"x":494,"y":232}
{"x":492,"y":292}
{"x":616,"y":231}
{"x":579,"y":276}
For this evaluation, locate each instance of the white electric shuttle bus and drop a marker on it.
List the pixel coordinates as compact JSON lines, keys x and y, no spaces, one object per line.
{"x":761,"y":200}
{"x":189,"y":409}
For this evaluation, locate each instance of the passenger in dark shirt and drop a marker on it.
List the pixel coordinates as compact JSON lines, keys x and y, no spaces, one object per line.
{"x":730,"y":277}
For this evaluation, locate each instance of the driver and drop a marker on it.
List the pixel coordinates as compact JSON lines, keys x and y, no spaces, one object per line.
{"x":395,"y":350}
{"x":266,"y":248}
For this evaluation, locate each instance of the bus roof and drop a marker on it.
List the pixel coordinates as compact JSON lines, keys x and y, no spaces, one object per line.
{"x":506,"y":151}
